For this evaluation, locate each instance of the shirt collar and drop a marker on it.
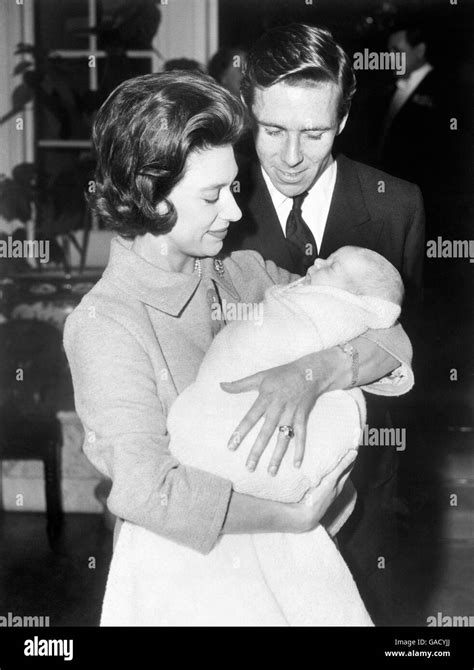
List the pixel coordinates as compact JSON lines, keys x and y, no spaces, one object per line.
{"x":320,"y":184}
{"x":169,"y":292}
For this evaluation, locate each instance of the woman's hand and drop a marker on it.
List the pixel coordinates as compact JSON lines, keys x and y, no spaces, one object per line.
{"x":287,"y":394}
{"x":247,"y":514}
{"x":317,"y":500}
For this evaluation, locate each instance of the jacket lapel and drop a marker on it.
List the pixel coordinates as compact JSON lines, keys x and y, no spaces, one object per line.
{"x":261,"y":220}
{"x":349,"y":221}
{"x":424,"y":87}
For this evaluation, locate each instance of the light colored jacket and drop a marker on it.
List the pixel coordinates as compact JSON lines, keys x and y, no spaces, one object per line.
{"x":134,"y":343}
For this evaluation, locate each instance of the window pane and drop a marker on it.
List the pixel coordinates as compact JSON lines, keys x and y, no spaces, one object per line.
{"x":65,"y":105}
{"x":63,"y":179}
{"x":117,"y":68}
{"x":62,"y":24}
{"x":129,"y":25}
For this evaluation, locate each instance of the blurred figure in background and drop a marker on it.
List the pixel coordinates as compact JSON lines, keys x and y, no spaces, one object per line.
{"x":415,"y":130}
{"x":227,"y":67}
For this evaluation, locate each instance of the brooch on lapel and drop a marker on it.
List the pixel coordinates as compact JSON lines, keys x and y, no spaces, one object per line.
{"x":219,"y":267}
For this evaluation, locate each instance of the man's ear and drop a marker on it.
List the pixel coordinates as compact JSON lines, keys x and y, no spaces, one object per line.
{"x":342,"y":124}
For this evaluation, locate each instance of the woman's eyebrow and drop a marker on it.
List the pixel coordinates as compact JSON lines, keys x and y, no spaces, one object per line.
{"x":211,"y":187}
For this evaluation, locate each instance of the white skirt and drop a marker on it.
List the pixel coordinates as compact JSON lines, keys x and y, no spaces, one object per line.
{"x":246,"y":580}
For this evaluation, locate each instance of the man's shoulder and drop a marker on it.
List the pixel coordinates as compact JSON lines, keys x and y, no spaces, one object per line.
{"x":375,"y":181}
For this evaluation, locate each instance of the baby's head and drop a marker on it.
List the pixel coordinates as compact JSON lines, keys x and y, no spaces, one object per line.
{"x":359,"y":271}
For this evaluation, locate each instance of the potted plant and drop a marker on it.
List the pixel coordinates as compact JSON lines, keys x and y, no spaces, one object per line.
{"x":47,"y":80}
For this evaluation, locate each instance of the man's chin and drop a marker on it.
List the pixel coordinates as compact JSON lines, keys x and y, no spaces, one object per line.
{"x":289,"y":187}
{"x":291,"y":190}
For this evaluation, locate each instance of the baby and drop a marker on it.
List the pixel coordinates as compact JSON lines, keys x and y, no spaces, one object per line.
{"x":353,"y":290}
{"x":339,"y":299}
{"x":309,"y":582}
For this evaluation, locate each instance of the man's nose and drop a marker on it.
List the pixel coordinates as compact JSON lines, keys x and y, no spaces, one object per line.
{"x":292,"y":154}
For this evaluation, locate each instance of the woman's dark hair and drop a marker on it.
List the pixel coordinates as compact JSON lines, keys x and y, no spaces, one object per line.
{"x":143,"y":134}
{"x":298,"y":53}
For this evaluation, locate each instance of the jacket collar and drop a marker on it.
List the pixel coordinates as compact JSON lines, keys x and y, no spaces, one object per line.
{"x":168,"y":292}
{"x":348,"y":207}
{"x":267,"y":225}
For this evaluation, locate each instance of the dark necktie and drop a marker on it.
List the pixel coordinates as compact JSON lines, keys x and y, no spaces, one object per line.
{"x":299,"y":237}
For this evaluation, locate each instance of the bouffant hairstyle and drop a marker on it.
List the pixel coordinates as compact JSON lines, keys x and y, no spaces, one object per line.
{"x":298,"y":54}
{"x":143,"y":134}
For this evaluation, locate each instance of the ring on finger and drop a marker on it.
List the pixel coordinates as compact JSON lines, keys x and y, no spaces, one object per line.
{"x":287,"y":431}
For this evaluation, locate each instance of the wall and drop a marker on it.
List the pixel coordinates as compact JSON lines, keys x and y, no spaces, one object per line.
{"x":16,"y":25}
{"x":188,"y":29}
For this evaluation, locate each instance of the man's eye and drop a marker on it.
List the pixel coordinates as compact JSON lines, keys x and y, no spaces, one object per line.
{"x":314,"y":137}
{"x":211,"y":202}
{"x":272,"y":133}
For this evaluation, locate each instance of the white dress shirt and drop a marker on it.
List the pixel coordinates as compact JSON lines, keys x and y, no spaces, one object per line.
{"x":315,"y":208}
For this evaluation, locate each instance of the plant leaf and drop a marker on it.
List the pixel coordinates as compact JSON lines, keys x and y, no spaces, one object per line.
{"x":21,"y":96}
{"x":24,"y":48}
{"x":21,"y":67}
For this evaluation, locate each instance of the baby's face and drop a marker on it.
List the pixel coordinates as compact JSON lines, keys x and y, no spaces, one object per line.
{"x":335,"y":271}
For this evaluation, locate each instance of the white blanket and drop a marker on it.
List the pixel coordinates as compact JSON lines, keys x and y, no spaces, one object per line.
{"x":261,"y":579}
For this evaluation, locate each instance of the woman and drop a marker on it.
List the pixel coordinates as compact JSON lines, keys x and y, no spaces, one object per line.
{"x":164,"y":182}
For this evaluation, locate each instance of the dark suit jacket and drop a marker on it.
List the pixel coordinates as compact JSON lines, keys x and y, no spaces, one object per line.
{"x":416,"y":146}
{"x":371,"y":209}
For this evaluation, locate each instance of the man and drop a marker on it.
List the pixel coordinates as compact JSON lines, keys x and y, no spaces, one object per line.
{"x":299,"y":202}
{"x":414,"y":133}
{"x":227,"y":66}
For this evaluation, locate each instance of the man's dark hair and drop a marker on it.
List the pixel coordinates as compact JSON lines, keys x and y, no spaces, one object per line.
{"x":415,"y":34}
{"x":143,"y":134}
{"x":298,"y":53}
